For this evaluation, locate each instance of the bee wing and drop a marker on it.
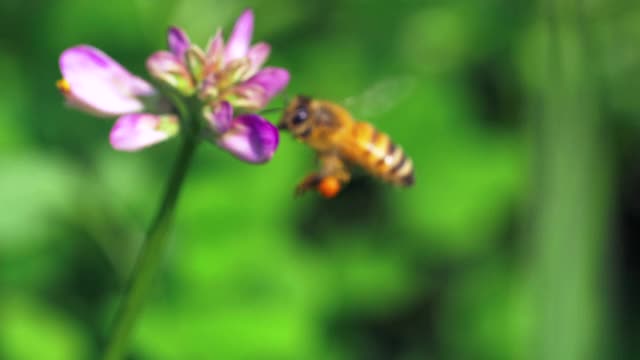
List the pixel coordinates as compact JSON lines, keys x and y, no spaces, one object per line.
{"x":381,"y":97}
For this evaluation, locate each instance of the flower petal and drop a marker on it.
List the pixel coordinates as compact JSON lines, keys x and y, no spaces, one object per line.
{"x":98,"y":84}
{"x":250,"y":138}
{"x":166,"y":67}
{"x":215,"y":54}
{"x":209,"y":89}
{"x":195,"y":60}
{"x":178,"y":42}
{"x":259,"y":89}
{"x":257,"y":55}
{"x":240,"y":38}
{"x":271,"y":79}
{"x":234,"y":72}
{"x":220,"y":117}
{"x":161,"y":63}
{"x":137,"y":131}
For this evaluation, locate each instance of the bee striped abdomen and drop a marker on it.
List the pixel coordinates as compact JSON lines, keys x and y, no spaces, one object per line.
{"x":380,"y":156}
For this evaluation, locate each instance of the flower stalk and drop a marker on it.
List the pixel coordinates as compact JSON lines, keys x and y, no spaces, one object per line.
{"x":150,"y":254}
{"x":571,"y":194}
{"x":210,"y":94}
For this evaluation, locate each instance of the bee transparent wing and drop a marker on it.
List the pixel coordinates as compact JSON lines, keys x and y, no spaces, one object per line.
{"x":380,"y":97}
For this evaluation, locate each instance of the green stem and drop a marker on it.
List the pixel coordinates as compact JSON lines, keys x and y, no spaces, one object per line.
{"x":150,"y":256}
{"x":572,"y":195}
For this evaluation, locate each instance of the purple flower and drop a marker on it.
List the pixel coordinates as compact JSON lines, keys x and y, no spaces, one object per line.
{"x":257,"y":91}
{"x":231,"y":72}
{"x":226,"y":77}
{"x":217,"y":82}
{"x":94,"y":82}
{"x":248,"y":137}
{"x":137,"y":131}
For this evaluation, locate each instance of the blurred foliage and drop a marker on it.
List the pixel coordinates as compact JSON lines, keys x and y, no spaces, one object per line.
{"x":439,"y":271}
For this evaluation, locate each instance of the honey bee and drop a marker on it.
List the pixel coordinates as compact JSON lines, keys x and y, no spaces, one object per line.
{"x":340,"y":142}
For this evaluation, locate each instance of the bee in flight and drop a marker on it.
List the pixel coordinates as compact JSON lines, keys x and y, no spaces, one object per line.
{"x":340,"y":142}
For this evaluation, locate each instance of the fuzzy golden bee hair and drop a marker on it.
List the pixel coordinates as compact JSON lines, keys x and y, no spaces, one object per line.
{"x":341,"y":141}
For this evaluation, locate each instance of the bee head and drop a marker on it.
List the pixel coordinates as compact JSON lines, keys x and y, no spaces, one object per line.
{"x":296,"y":116}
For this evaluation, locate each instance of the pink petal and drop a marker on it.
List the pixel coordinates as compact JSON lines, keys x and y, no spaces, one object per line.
{"x":209,"y":89}
{"x":163,"y":62}
{"x":166,"y":67}
{"x":259,"y":89}
{"x":215,"y":53}
{"x":250,"y":138}
{"x":137,"y":131}
{"x":257,"y":55}
{"x":195,"y":59}
{"x":221,"y":117}
{"x":271,"y":79}
{"x":100,"y":85}
{"x":234,"y":71}
{"x":178,"y":42}
{"x":240,"y":38}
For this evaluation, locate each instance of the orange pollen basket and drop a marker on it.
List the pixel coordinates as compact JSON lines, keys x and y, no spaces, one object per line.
{"x":329,"y":187}
{"x":63,"y":85}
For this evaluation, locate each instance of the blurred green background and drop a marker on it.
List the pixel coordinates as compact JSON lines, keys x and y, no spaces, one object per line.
{"x":518,"y":240}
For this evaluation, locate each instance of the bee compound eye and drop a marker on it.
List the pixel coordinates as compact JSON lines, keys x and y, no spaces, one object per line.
{"x":300,"y":116}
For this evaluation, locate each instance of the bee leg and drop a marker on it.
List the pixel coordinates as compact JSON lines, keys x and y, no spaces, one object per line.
{"x":334,"y":174}
{"x":329,"y":180}
{"x":308,"y":183}
{"x":332,"y":165}
{"x":328,"y":185}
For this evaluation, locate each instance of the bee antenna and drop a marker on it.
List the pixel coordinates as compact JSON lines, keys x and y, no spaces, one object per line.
{"x":271,"y":110}
{"x":286,"y":97}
